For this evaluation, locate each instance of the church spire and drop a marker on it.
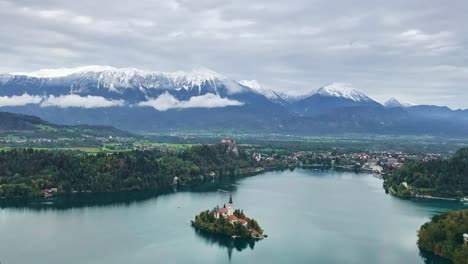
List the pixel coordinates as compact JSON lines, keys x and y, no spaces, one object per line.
{"x":230,"y":198}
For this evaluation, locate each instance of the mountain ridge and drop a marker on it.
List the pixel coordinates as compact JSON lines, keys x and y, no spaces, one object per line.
{"x":202,"y":99}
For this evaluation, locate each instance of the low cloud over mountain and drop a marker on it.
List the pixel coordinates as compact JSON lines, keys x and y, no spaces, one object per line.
{"x":166,"y":101}
{"x":140,"y":100}
{"x":20,"y":100}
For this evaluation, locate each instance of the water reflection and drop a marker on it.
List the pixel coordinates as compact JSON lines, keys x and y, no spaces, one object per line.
{"x":230,"y":244}
{"x":430,"y":258}
{"x":64,"y":202}
{"x":79,"y":200}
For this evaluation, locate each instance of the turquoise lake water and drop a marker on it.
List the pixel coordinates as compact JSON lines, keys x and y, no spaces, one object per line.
{"x":310,"y":217}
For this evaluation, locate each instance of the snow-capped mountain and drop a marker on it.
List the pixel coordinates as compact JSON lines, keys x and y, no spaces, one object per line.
{"x":202,"y":99}
{"x":119,"y":82}
{"x":275,"y":96}
{"x":330,"y":97}
{"x":256,"y":86}
{"x":393,"y":102}
{"x":130,"y":98}
{"x":62,"y":72}
{"x":343,"y":90}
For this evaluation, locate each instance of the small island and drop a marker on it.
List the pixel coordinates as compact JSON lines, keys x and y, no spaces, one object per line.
{"x":229,"y":222}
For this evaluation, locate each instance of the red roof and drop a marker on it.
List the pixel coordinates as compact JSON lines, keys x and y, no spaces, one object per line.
{"x":222,"y":210}
{"x":242,"y":221}
{"x":232,"y":218}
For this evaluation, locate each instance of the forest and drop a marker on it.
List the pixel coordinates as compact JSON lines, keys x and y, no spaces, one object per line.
{"x":443,"y":236}
{"x":26,"y":172}
{"x":437,"y":177}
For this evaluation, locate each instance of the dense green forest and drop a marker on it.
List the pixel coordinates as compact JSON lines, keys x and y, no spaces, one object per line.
{"x":205,"y":221}
{"x":443,"y":236}
{"x":26,"y":172}
{"x":437,"y":177}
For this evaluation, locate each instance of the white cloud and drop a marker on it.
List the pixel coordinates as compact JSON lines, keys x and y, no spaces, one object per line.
{"x":58,"y":14}
{"x":166,"y":101}
{"x":372,"y":44}
{"x":19,"y":100}
{"x":73,"y":100}
{"x":349,"y":46}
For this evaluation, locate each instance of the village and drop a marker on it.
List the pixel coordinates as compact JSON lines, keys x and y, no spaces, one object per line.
{"x":373,"y":162}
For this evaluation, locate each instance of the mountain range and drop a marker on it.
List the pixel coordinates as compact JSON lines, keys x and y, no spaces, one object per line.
{"x":201,"y":99}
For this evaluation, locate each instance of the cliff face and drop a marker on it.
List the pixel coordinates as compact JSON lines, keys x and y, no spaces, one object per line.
{"x":232,"y":148}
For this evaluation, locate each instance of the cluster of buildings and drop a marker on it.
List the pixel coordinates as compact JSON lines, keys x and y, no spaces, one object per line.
{"x":228,"y":213}
{"x":376,"y":162}
{"x":163,"y":148}
{"x":58,"y":140}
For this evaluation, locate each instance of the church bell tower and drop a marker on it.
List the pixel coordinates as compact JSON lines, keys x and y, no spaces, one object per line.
{"x":230,"y":206}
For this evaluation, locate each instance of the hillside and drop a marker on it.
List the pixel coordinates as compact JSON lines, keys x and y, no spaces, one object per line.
{"x":18,"y":122}
{"x":435,"y":177}
{"x":26,"y":172}
{"x":32,"y":126}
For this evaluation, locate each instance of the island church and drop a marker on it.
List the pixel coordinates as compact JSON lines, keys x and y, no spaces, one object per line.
{"x":225,"y":211}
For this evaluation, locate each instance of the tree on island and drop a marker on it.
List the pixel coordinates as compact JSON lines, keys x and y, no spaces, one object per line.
{"x":206,"y":221}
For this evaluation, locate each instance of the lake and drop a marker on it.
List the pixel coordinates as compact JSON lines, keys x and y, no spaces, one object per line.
{"x":310,"y":217}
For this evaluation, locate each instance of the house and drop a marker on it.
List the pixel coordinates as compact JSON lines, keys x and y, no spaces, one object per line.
{"x":257,"y":156}
{"x":227,"y":212}
{"x":221,"y":212}
{"x":232,"y":219}
{"x":465,"y":238}
{"x":391,"y":161}
{"x":243,"y":222}
{"x":228,"y":141}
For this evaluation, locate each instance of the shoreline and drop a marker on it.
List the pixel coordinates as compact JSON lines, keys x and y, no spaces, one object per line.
{"x":191,"y":185}
{"x":422,"y":197}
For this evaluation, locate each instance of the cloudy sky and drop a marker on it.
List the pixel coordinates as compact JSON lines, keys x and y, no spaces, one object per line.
{"x":414,"y":50}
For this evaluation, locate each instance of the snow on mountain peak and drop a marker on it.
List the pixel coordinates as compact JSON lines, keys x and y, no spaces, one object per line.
{"x":196,"y":77}
{"x":257,"y":87}
{"x":62,"y":72}
{"x":121,"y":78}
{"x":198,"y":72}
{"x":393,"y":102}
{"x":254,"y":84}
{"x":342,"y":90}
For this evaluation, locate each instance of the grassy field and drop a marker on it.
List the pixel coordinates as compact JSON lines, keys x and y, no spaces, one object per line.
{"x":281,"y":144}
{"x":110,"y":147}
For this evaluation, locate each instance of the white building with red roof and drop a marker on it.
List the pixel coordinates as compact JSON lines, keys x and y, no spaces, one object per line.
{"x":225,"y":211}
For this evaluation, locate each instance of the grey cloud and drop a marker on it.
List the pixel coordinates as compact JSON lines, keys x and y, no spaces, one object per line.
{"x":383,"y":48}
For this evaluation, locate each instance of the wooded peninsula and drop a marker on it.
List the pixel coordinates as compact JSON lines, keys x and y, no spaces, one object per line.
{"x":445,"y":178}
{"x":29,"y":172}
